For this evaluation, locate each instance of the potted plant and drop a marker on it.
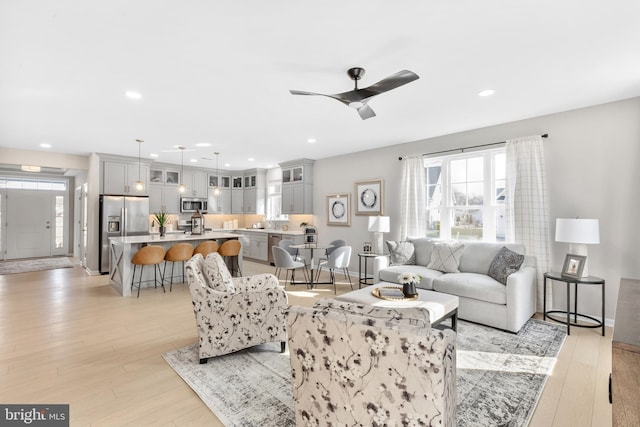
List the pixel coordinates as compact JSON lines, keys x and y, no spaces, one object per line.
{"x":162,"y":218}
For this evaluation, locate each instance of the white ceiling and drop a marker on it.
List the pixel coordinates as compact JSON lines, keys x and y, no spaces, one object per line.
{"x":220,"y":71}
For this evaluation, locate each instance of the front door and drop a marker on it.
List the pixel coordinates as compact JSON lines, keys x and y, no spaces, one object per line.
{"x":30,"y":223}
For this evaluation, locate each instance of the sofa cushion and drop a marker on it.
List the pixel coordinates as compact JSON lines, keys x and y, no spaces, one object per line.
{"x":445,"y":257}
{"x":423,"y":248}
{"x":478,"y":256}
{"x":216,"y":273}
{"x":472,"y":285}
{"x":505,"y":263}
{"x":401,"y":252}
{"x":390,"y":274}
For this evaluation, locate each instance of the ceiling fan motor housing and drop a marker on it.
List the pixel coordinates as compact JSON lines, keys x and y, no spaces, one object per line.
{"x":355,"y":73}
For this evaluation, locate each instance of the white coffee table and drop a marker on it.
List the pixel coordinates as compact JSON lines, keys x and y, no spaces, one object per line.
{"x":440,"y":306}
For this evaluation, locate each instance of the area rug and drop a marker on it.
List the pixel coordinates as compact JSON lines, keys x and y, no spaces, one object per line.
{"x":500,"y":377}
{"x":29,"y":265}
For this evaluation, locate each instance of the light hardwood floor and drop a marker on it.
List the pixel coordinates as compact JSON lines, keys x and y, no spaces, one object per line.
{"x":67,"y":337}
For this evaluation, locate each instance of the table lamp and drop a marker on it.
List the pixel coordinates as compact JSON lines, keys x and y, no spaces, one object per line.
{"x":378,"y":225}
{"x":578,"y":233}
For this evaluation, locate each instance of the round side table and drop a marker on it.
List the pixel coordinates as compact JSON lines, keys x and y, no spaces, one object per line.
{"x":365,"y":279}
{"x":589,"y":280}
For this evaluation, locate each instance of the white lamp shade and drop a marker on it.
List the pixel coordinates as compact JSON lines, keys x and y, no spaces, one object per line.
{"x":379,"y":224}
{"x":577,"y":230}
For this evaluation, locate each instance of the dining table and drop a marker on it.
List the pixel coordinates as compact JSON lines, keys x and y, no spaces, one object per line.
{"x":313,"y":248}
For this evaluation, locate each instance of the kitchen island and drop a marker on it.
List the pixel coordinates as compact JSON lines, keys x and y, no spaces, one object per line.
{"x":122,"y":249}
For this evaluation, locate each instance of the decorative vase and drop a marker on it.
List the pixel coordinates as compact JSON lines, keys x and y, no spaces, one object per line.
{"x":162,"y":230}
{"x":409,"y":290}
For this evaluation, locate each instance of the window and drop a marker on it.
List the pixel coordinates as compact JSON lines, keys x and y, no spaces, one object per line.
{"x":274,"y":200}
{"x":35,"y":184}
{"x":465,"y":196}
{"x":59,"y":228}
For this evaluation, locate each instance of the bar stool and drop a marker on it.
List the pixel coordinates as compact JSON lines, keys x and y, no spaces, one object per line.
{"x":180,"y":252}
{"x":148,"y":255}
{"x":231,"y":249}
{"x":206,"y":247}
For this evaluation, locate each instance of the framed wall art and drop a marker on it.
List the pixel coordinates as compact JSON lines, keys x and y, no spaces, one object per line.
{"x":369,"y":197}
{"x":338,"y":209}
{"x":573,"y":265}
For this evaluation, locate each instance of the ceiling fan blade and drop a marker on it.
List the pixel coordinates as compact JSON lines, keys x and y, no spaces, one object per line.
{"x":336,"y":97}
{"x":393,"y":81}
{"x":366,"y":112}
{"x":301,"y":92}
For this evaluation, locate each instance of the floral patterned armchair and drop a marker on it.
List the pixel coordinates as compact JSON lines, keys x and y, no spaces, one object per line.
{"x":234,"y":313}
{"x":353,"y":364}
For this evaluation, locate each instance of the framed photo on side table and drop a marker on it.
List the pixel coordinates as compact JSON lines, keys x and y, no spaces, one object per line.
{"x":369,"y":197}
{"x":338,"y":209}
{"x":573,"y":265}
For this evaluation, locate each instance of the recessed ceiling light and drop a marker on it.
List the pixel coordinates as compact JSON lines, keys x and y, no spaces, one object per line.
{"x":226,"y":165}
{"x":133,"y":95}
{"x":203,"y":144}
{"x":251,"y":159}
{"x":45,"y":145}
{"x":269,"y":166}
{"x":194,"y":160}
{"x":486,"y":92}
{"x":311,"y":140}
{"x":153,"y":155}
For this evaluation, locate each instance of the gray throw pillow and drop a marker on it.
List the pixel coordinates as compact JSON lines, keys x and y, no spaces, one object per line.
{"x":505,"y":263}
{"x":401,"y":253}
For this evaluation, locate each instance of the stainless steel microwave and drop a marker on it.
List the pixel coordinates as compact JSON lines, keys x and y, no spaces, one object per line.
{"x":193,"y":204}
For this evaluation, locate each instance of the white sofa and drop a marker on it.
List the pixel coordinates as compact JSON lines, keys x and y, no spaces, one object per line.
{"x":482,"y":298}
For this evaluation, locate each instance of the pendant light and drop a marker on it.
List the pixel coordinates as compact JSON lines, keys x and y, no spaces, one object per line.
{"x":216,"y":189}
{"x":139,"y":183}
{"x":181,"y":187}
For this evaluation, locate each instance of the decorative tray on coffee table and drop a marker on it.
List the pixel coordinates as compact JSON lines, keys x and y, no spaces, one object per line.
{"x":392,"y":293}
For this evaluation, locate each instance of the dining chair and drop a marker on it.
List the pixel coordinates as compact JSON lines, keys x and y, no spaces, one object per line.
{"x":283,"y":260}
{"x":338,"y":259}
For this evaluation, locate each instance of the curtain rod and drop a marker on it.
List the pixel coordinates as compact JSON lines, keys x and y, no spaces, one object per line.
{"x":544,"y":135}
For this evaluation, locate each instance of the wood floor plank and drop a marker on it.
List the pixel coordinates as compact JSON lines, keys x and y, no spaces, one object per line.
{"x":67,"y":337}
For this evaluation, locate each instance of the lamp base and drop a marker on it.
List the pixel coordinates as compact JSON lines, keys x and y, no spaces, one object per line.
{"x":378,"y":243}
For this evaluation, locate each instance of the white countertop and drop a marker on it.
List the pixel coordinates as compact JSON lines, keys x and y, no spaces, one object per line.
{"x":267,"y":231}
{"x":174,"y":237}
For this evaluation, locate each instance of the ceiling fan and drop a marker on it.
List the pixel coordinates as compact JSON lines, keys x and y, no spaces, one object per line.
{"x":358,"y":98}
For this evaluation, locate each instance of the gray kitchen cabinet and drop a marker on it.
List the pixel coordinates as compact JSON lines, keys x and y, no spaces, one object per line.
{"x":297,"y":186}
{"x":221,"y":203}
{"x":196,"y":183}
{"x":237,"y":195}
{"x":164,"y":198}
{"x":255,"y":190}
{"x":119,"y":177}
{"x":257,"y":246}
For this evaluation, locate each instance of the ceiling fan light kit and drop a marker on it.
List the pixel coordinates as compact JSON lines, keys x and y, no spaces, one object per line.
{"x":358,"y":98}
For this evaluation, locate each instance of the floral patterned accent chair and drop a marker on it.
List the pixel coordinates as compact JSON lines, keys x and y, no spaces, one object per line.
{"x":233,"y":313}
{"x":353,"y":364}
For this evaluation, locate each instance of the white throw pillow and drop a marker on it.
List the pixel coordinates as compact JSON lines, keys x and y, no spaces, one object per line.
{"x":216,"y":273}
{"x":446,"y":257}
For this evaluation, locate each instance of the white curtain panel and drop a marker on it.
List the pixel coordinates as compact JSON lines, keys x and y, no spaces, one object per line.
{"x":527,"y":211}
{"x":413,"y":198}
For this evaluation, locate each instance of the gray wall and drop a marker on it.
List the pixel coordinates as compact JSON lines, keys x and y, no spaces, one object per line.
{"x":591,"y":156}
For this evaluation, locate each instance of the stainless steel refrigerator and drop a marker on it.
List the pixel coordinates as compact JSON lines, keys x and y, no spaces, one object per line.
{"x":121,"y":216}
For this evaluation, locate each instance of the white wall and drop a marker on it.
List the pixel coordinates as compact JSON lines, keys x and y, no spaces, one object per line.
{"x":591,"y":157}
